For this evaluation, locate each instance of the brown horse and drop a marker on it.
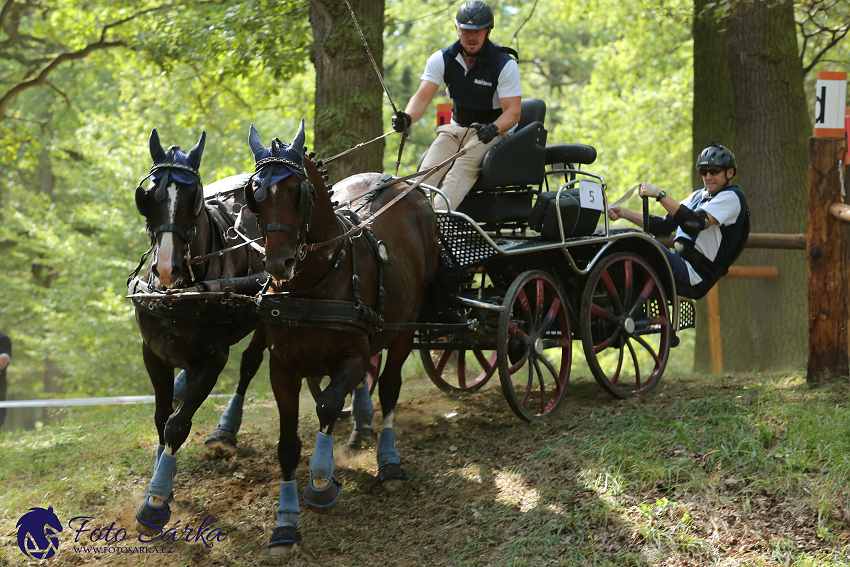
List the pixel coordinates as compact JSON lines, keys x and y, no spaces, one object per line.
{"x":192,"y":334}
{"x":335,"y":302}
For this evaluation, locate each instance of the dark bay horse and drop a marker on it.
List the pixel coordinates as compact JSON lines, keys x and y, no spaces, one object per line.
{"x":193,"y":334}
{"x":335,"y":299}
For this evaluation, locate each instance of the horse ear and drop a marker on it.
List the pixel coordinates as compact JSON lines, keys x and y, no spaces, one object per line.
{"x":157,"y":153}
{"x":254,"y":141}
{"x":298,"y":142}
{"x":196,"y":153}
{"x":140,"y":201}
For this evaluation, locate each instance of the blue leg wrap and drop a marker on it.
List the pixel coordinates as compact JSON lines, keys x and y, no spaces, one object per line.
{"x":322,"y":461}
{"x":387,"y":454}
{"x":231,"y":419}
{"x":362,"y":410}
{"x":289,"y":512}
{"x":159,"y":450}
{"x":163,"y":476}
{"x":180,"y":385}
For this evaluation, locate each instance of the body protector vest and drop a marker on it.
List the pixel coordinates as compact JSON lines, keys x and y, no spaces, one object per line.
{"x":734,"y":237}
{"x":472,"y":92}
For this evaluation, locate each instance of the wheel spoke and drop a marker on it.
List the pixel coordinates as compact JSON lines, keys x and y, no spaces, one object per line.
{"x":550,"y":316}
{"x":519,"y":364}
{"x":612,"y":291}
{"x":461,"y":368}
{"x":644,"y":295}
{"x":648,"y":348}
{"x":538,"y":304}
{"x":637,"y":365}
{"x":555,"y":343}
{"x":629,"y":281}
{"x":619,"y":367}
{"x":549,"y":366}
{"x":542,"y":386}
{"x":518,"y":333}
{"x":600,"y":313}
{"x":486,"y":363}
{"x":528,"y":385}
{"x":523,"y":303}
{"x":442,"y":360}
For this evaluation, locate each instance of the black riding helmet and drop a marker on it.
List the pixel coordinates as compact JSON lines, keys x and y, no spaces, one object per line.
{"x":474,"y":15}
{"x":718,"y":156}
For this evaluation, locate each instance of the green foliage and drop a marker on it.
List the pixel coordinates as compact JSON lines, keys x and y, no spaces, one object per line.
{"x":616,"y":87}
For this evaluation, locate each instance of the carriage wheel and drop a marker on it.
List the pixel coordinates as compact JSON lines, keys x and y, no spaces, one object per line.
{"x":458,"y":369}
{"x":625,"y":325}
{"x":534,"y":346}
{"x":316,"y":385}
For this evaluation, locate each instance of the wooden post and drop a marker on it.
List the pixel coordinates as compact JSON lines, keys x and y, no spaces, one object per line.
{"x":828,"y":313}
{"x":715,"y":346}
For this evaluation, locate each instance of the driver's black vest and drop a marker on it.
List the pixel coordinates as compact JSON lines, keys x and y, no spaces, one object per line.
{"x":734,"y":237}
{"x":472,"y":93}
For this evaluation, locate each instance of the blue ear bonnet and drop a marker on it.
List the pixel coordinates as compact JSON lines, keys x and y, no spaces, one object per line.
{"x":278,"y":171}
{"x":179,"y":175}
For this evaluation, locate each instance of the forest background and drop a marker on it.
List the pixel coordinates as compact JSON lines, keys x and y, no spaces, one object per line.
{"x":82,"y":83}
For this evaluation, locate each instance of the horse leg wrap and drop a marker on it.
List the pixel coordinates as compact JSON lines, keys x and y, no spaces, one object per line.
{"x":323,"y":490}
{"x":362,"y":410}
{"x":222,"y":442}
{"x":389,"y":462}
{"x":159,"y":450}
{"x":288,"y":512}
{"x":180,"y":386}
{"x":231,"y":419}
{"x":162,"y":482}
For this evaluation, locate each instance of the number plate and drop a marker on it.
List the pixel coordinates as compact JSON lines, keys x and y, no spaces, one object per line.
{"x":591,"y":195}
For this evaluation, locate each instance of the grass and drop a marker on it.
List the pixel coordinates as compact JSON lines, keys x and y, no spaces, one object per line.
{"x":708,"y":470}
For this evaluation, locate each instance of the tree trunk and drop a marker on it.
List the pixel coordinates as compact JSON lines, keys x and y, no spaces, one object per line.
{"x":714,"y":120}
{"x":348,"y":95}
{"x":764,"y":322}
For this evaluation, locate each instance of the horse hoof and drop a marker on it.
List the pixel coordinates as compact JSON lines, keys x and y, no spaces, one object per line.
{"x":283,"y":541}
{"x":220,"y":445}
{"x":363,"y":438}
{"x":324,"y":501}
{"x":149,"y":518}
{"x":392,"y":477}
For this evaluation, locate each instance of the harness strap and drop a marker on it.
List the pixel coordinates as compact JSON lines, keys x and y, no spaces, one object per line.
{"x":279,"y":226}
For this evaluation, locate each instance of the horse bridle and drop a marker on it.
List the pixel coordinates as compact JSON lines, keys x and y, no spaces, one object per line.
{"x":306,"y":199}
{"x":159,"y":195}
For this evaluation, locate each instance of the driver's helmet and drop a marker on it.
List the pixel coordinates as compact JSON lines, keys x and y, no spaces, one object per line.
{"x":474,"y":15}
{"x":718,"y":156}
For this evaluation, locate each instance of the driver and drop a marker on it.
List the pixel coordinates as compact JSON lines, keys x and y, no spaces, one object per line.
{"x":712,"y":225}
{"x":484,"y":85}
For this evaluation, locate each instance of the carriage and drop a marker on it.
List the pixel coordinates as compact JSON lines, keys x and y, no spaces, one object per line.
{"x":526,"y":279}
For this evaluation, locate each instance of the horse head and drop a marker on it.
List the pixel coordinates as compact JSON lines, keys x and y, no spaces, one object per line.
{"x":283,"y":194}
{"x":172,"y":204}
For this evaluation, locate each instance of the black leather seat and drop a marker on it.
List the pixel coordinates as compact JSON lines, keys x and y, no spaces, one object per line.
{"x":512,"y":169}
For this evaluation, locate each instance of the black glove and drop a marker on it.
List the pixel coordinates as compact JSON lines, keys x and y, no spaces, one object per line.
{"x":401,"y":121}
{"x":487,"y":132}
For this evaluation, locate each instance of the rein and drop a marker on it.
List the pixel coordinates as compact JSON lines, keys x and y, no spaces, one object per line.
{"x":423,"y":175}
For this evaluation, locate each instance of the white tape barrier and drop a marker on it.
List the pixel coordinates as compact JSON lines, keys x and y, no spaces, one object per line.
{"x":115,"y":400}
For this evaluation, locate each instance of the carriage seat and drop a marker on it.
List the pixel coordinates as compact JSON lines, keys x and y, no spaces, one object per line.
{"x":511,"y":168}
{"x":570,"y":154}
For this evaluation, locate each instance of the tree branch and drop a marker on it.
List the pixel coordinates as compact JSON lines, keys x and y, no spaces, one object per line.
{"x":42,"y":76}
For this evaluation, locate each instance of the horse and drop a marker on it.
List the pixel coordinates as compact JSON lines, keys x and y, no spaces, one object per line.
{"x":340,"y":294}
{"x":192,"y":334}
